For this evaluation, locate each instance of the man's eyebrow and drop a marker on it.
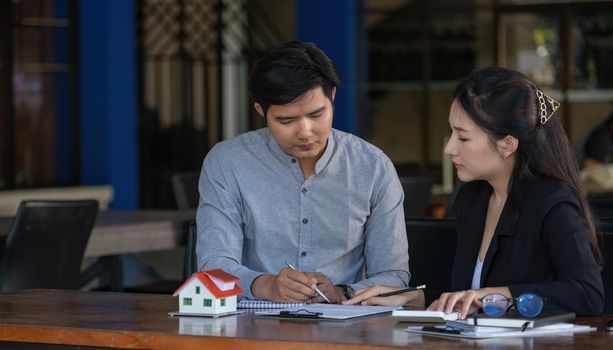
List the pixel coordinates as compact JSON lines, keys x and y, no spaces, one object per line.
{"x":284,"y":117}
{"x":318,"y":110}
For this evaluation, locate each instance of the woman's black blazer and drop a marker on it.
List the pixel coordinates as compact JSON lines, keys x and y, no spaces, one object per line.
{"x":541,"y":245}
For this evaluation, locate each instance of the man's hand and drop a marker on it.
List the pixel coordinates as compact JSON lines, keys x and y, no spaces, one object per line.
{"x":325,"y":285}
{"x":288,"y":286}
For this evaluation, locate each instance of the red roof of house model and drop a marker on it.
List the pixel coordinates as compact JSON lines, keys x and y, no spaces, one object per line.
{"x":221,"y":275}
{"x":205,"y":278}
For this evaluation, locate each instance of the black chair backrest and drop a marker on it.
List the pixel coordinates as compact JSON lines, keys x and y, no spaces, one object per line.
{"x":602,"y":204}
{"x":191,"y":263}
{"x":605,"y":228}
{"x":45,"y":246}
{"x":416,"y":194}
{"x":432,"y":245}
{"x":185,"y":189}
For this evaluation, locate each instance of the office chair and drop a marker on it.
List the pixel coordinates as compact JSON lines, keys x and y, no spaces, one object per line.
{"x":416,"y":194}
{"x":191,"y":261}
{"x":432,"y":245}
{"x":601,"y":203}
{"x":45,"y":246}
{"x":605,"y":227}
{"x":185,"y":189}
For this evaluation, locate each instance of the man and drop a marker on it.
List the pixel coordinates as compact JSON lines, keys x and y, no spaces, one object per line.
{"x":300,"y":192}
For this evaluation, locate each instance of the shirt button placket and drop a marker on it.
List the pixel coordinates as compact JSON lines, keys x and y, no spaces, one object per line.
{"x":304,"y":227}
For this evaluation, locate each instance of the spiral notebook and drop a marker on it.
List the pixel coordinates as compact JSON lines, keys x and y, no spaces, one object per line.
{"x":264,"y":304}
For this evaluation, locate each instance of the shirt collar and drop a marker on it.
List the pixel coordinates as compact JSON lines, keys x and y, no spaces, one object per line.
{"x":275,"y":149}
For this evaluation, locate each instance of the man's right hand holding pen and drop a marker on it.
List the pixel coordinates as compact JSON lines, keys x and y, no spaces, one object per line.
{"x":389,"y":296}
{"x":295,"y":286}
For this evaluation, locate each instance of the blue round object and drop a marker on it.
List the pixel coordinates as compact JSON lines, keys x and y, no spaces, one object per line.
{"x":529,"y":304}
{"x":494,"y":310}
{"x":495,"y":305}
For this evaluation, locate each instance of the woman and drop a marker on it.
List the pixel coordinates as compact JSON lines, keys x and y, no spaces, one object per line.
{"x":522,"y":223}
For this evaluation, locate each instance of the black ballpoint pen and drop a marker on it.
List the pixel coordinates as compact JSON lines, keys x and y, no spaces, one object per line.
{"x":400,"y":291}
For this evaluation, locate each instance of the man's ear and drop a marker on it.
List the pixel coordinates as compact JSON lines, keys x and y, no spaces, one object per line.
{"x":259,"y":109}
{"x":508,"y":145}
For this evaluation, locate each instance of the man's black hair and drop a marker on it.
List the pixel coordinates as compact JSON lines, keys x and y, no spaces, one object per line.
{"x":287,"y":72}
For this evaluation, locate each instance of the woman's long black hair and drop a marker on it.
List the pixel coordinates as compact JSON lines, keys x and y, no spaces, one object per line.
{"x":505,"y":102}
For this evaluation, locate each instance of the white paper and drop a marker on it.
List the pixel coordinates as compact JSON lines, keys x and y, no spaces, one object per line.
{"x":333,"y":311}
{"x":499,"y":332}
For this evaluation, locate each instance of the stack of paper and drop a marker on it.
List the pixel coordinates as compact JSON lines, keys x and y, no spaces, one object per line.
{"x":424,"y":316}
{"x":479,"y":332}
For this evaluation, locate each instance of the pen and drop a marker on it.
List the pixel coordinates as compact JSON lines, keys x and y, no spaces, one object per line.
{"x":316,"y":289}
{"x":400,"y":291}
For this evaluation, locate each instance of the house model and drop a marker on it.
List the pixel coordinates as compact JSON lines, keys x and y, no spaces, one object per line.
{"x":211,"y":292}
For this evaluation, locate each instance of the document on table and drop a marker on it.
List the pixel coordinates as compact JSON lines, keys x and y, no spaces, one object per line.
{"x":481,"y":332}
{"x":328,"y":311}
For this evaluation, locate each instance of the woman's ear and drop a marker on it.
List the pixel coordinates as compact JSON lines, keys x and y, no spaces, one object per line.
{"x":508,"y":145}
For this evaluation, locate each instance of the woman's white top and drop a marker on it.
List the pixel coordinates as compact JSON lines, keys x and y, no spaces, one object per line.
{"x":476,"y":284}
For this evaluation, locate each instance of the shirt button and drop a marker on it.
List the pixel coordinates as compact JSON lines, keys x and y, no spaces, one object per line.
{"x":304,"y":190}
{"x":303,"y":253}
{"x":305,"y":220}
{"x":293,"y":160}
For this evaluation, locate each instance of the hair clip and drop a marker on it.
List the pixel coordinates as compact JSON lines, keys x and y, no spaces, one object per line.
{"x":543,"y":106}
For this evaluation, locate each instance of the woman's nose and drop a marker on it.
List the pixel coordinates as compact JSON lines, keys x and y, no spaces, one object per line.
{"x":449,"y":149}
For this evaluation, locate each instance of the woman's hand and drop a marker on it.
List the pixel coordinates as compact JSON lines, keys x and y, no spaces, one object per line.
{"x":465,"y":302}
{"x":368,"y":296}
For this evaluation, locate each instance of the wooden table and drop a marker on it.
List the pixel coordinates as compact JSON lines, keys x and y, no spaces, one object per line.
{"x":137,"y":321}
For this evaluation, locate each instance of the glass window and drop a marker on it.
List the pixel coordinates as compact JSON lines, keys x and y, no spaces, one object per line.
{"x":44,"y":149}
{"x":208,"y":302}
{"x":197,"y":289}
{"x":187,"y":301}
{"x":223,"y":302}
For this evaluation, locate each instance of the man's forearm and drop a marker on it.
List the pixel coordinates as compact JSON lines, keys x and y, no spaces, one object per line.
{"x":262,"y":286}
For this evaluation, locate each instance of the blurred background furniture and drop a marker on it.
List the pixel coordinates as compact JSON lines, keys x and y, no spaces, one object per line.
{"x":417,"y":191}
{"x":605,"y":228}
{"x":117,"y":234}
{"x":120,"y":234}
{"x":432,"y":245}
{"x":417,"y":187}
{"x":191,"y":259}
{"x":11,"y":199}
{"x":185,"y":189}
{"x":45,"y":246}
{"x":602,"y":204}
{"x":168,"y":286}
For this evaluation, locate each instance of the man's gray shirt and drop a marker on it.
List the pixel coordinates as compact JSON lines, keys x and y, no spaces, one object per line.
{"x":257,"y":211}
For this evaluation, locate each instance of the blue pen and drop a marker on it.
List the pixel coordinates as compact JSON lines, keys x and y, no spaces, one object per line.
{"x":316,"y":289}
